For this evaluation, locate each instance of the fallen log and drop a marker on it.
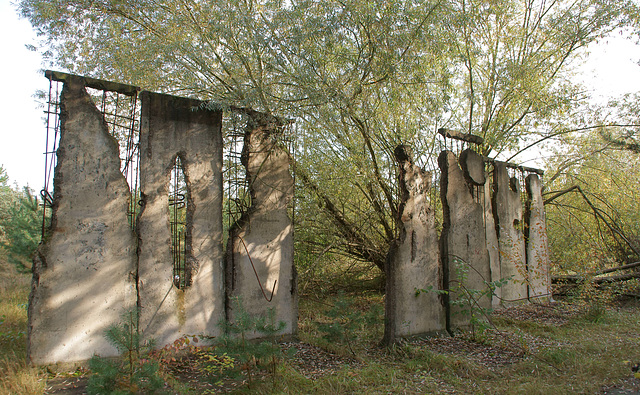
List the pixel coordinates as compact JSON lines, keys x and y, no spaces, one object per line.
{"x":576,"y":279}
{"x":615,"y":269}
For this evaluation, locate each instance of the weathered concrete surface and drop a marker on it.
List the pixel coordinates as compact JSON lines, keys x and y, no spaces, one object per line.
{"x":172,"y":126}
{"x":262,"y":240}
{"x":472,"y":165}
{"x":413,"y":262}
{"x":493,"y":246}
{"x":536,"y":239}
{"x":463,"y":245}
{"x":84,"y":276}
{"x":509,"y":226}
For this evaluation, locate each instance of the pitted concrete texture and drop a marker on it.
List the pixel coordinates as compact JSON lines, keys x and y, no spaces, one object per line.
{"x":509,"y":225}
{"x":413,"y":261}
{"x":463,"y":241}
{"x":84,"y":276}
{"x":174,"y":126}
{"x":262,"y":240}
{"x":537,"y":246}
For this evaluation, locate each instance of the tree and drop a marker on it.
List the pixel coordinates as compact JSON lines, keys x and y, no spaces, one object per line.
{"x":593,"y":206}
{"x":358,"y":76}
{"x":20,"y":223}
{"x":624,"y":132}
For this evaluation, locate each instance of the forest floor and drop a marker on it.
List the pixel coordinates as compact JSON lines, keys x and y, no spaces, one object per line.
{"x":561,"y":347}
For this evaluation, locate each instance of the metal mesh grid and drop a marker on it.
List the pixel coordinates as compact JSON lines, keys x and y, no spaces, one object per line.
{"x":237,"y":193}
{"x":52,"y":115}
{"x":178,"y":201}
{"x":237,"y":196}
{"x":122,"y":116}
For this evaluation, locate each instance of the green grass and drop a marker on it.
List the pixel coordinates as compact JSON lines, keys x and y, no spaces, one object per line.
{"x":580,"y":355}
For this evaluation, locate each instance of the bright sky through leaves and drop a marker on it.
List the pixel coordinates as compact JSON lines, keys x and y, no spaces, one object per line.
{"x":611,"y":70}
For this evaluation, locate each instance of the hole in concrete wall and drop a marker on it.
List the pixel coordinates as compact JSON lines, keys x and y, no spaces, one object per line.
{"x":122,"y":116}
{"x":178,"y":201}
{"x":237,"y":199}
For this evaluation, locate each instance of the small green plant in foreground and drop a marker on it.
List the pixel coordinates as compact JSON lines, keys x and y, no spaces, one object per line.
{"x":346,"y":321}
{"x":466,"y":301}
{"x":592,"y":299}
{"x":131,"y":373}
{"x":234,"y":351}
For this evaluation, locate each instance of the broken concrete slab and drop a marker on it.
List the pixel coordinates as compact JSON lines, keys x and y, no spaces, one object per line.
{"x":463,"y":244}
{"x":84,"y":272}
{"x":413,"y":261}
{"x":454,"y":134}
{"x":507,"y":205}
{"x":536,"y":239}
{"x":259,"y":257}
{"x":174,"y":126}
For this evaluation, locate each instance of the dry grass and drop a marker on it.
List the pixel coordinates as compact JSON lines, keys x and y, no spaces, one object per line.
{"x":16,"y":376}
{"x":532,"y":350}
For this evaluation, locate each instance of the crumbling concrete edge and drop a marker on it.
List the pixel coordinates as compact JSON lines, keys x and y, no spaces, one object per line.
{"x":271,"y":127}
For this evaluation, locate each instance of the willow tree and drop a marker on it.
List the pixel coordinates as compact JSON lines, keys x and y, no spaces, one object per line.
{"x":593,"y":206}
{"x":358,"y":76}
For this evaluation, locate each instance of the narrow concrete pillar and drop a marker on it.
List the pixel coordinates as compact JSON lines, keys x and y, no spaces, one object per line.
{"x":171,"y":127}
{"x":413,"y":262}
{"x":84,"y":276}
{"x":509,"y":225}
{"x":259,"y":256}
{"x":536,"y":238}
{"x":463,"y":239}
{"x":493,"y":246}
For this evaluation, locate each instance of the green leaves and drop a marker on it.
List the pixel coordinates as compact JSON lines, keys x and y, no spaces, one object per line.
{"x":20,"y":223}
{"x":130,"y":373}
{"x":234,"y":350}
{"x":358,"y":76}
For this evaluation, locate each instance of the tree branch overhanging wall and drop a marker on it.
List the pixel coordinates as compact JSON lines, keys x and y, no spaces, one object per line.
{"x":98,"y":263}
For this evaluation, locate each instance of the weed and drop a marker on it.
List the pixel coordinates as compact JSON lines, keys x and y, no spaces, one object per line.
{"x":592,"y":299}
{"x":16,"y":376}
{"x":467,"y":302}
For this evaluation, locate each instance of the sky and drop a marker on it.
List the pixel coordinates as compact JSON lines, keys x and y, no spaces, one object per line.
{"x":22,"y":131}
{"x":611,"y":69}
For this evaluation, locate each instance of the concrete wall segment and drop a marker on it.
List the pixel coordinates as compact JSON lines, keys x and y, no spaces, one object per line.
{"x":413,"y":261}
{"x":537,"y":247}
{"x":508,"y":214}
{"x":171,"y":127}
{"x":84,"y":272}
{"x":259,"y":258}
{"x":463,"y":240}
